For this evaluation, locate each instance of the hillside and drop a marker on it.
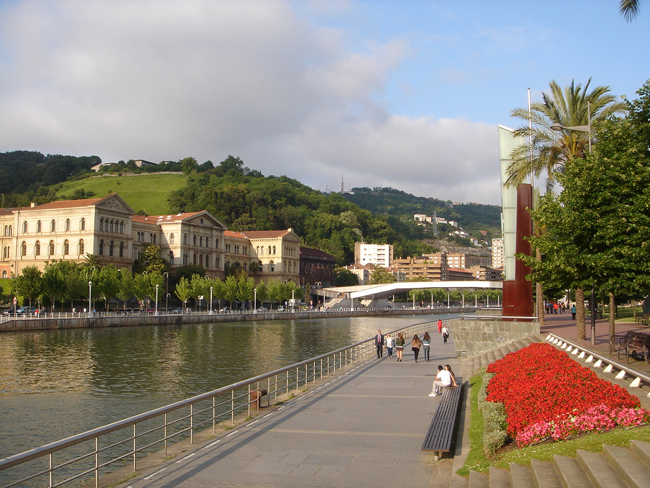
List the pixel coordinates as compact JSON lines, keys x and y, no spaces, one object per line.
{"x":149,"y":192}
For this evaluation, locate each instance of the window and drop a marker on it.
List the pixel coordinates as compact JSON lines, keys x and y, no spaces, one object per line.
{"x":38,"y":226}
{"x":37,"y":248}
{"x":171,"y":239}
{"x":194,"y":259}
{"x":101,"y":247}
{"x":121,"y":249}
{"x":217,"y":262}
{"x":216,"y":243}
{"x":185,"y":239}
{"x":81,"y":247}
{"x":271,"y":266}
{"x":110,"y":249}
{"x":184,"y":258}
{"x":25,"y":227}
{"x":171,"y":257}
{"x":53,"y":226}
{"x":201,"y":241}
{"x":111,"y":226}
{"x":23,"y":249}
{"x":121,"y":227}
{"x":200,"y":259}
{"x":194,"y":240}
{"x":66,"y":247}
{"x":5,"y":252}
{"x":4,"y":273}
{"x":67,"y":225}
{"x":82,"y":224}
{"x":274,"y":250}
{"x":207,"y":242}
{"x":51,"y":248}
{"x":269,"y":250}
{"x":154,"y":238}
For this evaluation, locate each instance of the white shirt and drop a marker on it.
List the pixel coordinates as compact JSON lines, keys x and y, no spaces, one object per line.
{"x":390,"y":342}
{"x":445,"y":377}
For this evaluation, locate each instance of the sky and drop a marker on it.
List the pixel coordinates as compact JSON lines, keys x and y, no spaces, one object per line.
{"x":405,"y":94}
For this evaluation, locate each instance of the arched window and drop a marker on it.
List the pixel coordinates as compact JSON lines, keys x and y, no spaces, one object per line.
{"x":25,"y":227}
{"x":121,"y":249}
{"x":154,"y":238}
{"x":207,"y":242}
{"x":274,"y":250}
{"x":269,"y":250}
{"x":185,"y":239}
{"x":101,"y":247}
{"x":271,"y":266}
{"x":38,"y":226}
{"x":110,"y":249}
{"x":171,"y":239}
{"x":185,"y":258}
{"x":51,"y":248}
{"x":111,"y":228}
{"x":216,"y":243}
{"x":171,"y":257}
{"x":4,"y":273}
{"x":67,"y":225}
{"x":11,"y":230}
{"x":23,"y":249}
{"x":194,"y":259}
{"x":200,"y":259}
{"x":194,"y":239}
{"x":81,"y":247}
{"x":121,"y":227}
{"x":37,"y":248}
{"x":82,"y":224}
{"x":53,"y":226}
{"x":66,"y":247}
{"x":201,"y":241}
{"x":217,"y":262}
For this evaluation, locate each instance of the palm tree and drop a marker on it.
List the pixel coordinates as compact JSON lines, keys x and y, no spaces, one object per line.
{"x":629,"y":9}
{"x":551,"y":149}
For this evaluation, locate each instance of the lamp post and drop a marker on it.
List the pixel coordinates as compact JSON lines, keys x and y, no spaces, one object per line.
{"x":585,"y":128}
{"x":156,"y":308}
{"x":90,"y":297}
{"x":211,"y":300}
{"x":166,"y":275}
{"x":255,"y":300}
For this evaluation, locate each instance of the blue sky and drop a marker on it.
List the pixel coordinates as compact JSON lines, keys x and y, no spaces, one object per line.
{"x":406,"y":94}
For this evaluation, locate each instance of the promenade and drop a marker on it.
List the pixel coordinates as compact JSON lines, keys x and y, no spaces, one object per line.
{"x":362,"y":428}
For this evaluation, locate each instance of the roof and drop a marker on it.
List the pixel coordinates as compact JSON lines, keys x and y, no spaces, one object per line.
{"x":143,"y":219}
{"x":266,"y":234}
{"x":233,"y":234}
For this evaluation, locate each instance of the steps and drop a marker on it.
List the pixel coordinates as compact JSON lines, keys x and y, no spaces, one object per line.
{"x":616,"y":467}
{"x":482,"y":360}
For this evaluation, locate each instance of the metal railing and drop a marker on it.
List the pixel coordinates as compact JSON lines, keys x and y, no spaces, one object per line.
{"x":97,"y":452}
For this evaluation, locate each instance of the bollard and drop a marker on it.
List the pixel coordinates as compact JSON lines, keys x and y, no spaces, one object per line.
{"x":256,"y":397}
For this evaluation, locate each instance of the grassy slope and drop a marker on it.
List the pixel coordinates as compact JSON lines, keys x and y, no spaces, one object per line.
{"x":145,"y":191}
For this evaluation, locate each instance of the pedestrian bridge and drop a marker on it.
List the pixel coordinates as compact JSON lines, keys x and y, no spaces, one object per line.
{"x":372,"y":292}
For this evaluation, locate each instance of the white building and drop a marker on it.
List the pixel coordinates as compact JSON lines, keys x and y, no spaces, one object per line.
{"x":497,"y":253}
{"x":377,"y":254}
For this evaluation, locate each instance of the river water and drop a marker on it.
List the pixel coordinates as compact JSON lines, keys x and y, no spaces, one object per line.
{"x":57,"y":383}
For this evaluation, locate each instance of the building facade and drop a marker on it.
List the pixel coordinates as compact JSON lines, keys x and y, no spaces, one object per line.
{"x":377,"y":254}
{"x":497,"y":253}
{"x":316,"y":268}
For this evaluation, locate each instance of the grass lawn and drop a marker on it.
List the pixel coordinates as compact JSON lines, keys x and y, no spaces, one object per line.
{"x":148,"y":192}
{"x":593,"y":442}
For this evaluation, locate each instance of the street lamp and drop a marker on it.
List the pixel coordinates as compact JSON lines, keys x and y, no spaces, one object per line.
{"x":211,"y":300}
{"x":255,"y":300}
{"x":585,"y":128}
{"x":90,"y":297}
{"x":166,"y":275}
{"x":156,"y":310}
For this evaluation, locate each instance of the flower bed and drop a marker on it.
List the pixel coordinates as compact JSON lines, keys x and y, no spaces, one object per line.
{"x":546,"y":394}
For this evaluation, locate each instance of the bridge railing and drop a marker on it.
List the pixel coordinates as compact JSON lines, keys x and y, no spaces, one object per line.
{"x":85,"y":457}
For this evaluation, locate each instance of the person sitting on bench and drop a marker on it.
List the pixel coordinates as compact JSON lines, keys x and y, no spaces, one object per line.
{"x":443,"y":379}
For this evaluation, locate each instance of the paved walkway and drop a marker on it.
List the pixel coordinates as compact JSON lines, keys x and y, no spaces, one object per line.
{"x":363,"y":428}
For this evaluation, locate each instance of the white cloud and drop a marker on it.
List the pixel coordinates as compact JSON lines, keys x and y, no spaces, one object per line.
{"x":167,"y":79}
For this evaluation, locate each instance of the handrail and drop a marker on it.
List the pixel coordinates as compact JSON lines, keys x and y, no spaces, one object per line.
{"x":336,"y":356}
{"x":563,"y":343}
{"x":496,"y":317}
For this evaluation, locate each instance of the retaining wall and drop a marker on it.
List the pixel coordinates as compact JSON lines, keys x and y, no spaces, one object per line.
{"x":475,"y":336}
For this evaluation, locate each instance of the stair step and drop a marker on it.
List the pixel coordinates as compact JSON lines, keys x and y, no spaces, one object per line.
{"x":504,"y":350}
{"x":600,"y":472}
{"x":570,"y":472}
{"x":635,"y":473}
{"x":499,"y":478}
{"x":458,"y":481}
{"x":484,"y":360}
{"x":498,"y":353}
{"x":522,"y":476}
{"x":511,"y":347}
{"x":478,"y":480}
{"x":491,"y":356}
{"x":642,"y":451}
{"x":545,"y":475}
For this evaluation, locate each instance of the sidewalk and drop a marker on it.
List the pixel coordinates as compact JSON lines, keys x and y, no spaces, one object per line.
{"x":362,"y":428}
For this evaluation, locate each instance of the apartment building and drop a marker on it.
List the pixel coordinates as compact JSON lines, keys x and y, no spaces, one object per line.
{"x":497,"y":253}
{"x":377,"y":254}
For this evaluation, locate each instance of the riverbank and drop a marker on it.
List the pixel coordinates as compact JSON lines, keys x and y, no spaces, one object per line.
{"x":85,"y":322}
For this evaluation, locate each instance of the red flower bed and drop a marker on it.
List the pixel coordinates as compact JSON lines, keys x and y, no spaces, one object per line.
{"x":539,"y":383}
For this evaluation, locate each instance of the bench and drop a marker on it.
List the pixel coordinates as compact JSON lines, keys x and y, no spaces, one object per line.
{"x":632,"y":342}
{"x":643,"y":319}
{"x":440,"y":434}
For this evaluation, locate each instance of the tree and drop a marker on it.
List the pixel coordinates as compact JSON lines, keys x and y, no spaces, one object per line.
{"x":183,"y":291}
{"x":277,"y":291}
{"x":262,"y":292}
{"x":188,"y":165}
{"x":629,"y":9}
{"x":141,"y":288}
{"x":245,"y":289}
{"x":54,"y":282}
{"x":231,"y":287}
{"x":552,"y":150}
{"x":381,"y":275}
{"x":200,"y":287}
{"x":152,"y":260}
{"x":127,"y":285}
{"x":344,"y":277}
{"x":29,"y":284}
{"x":107,"y":283}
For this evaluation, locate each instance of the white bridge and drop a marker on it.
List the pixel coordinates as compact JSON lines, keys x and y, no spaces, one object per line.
{"x":372,"y":292}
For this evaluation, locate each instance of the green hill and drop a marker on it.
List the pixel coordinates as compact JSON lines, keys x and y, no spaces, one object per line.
{"x":147,"y":191}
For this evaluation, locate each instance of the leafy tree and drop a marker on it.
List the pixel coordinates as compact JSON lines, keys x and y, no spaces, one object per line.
{"x":381,"y":275}
{"x":156,"y":280}
{"x":552,"y":150}
{"x":141,"y":288}
{"x":152,"y":260}
{"x":218,"y":289}
{"x":127,"y":285}
{"x":344,"y":277}
{"x":200,"y":287}
{"x":54,"y":282}
{"x":262,"y":292}
{"x":245,"y":289}
{"x":231,"y":287}
{"x":188,"y":165}
{"x":277,"y":291}
{"x":183,"y":291}
{"x":107,"y":284}
{"x":30,"y":284}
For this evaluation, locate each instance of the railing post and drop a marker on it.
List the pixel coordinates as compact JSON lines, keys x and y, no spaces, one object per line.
{"x":50,"y":470}
{"x":192,"y":423}
{"x":134,"y":449}
{"x":214,"y":413}
{"x":287,"y":392}
{"x":275,"y":390}
{"x":165,"y":434}
{"x":321,"y":369}
{"x":249,"y":400}
{"x":96,"y":462}
{"x":232,"y":407}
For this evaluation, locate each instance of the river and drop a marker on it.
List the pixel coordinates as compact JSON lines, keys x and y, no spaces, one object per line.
{"x":57,"y":383}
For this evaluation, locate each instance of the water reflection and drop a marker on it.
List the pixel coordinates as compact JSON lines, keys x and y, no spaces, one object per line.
{"x":54,"y":384}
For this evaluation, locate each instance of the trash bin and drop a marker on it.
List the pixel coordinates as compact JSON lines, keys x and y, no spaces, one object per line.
{"x":256,"y":396}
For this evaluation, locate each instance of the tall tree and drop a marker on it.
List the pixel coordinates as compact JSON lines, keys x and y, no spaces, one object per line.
{"x":552,"y":149}
{"x":30,"y":284}
{"x":183,"y":291}
{"x":629,"y":9}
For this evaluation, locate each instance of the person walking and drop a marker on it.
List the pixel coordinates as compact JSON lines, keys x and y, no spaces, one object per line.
{"x":426,"y":346}
{"x":439,"y":326}
{"x":379,"y":342}
{"x":573,"y":312}
{"x":445,"y":334}
{"x":399,"y":346}
{"x":390,"y":343}
{"x":416,"y":344}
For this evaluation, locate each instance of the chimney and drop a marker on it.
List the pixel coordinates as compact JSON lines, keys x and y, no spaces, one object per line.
{"x":32,"y":204}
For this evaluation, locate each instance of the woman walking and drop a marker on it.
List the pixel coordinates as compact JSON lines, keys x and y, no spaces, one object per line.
{"x":416,"y":344}
{"x":445,"y":334}
{"x":390,"y":342}
{"x":399,"y":346}
{"x":426,"y":345}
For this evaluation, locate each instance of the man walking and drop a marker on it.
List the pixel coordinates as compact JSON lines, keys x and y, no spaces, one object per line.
{"x":379,"y":342}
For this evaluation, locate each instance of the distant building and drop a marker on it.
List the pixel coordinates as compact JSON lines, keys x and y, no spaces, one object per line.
{"x":316,"y":268}
{"x":361,"y":271}
{"x":278,"y":252}
{"x":141,"y":163}
{"x":378,"y":254}
{"x":486,"y":273}
{"x":497,"y":253}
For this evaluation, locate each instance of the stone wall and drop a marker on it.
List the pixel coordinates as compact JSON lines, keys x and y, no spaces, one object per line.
{"x":475,"y":336}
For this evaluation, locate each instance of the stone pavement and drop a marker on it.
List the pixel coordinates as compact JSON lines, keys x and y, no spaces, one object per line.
{"x":362,"y":428}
